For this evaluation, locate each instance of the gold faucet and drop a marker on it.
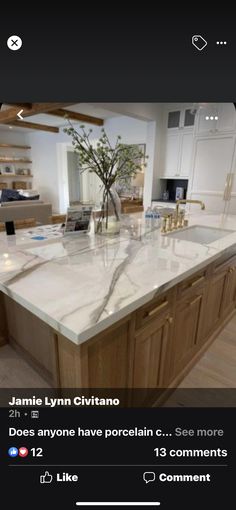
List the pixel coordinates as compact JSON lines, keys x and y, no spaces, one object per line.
{"x":185,"y":201}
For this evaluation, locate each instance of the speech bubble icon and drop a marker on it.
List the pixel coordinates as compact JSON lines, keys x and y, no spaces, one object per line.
{"x":149,"y":476}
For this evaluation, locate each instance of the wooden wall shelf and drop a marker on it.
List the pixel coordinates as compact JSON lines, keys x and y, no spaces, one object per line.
{"x":10,"y":146}
{"x":15,"y":161}
{"x":16,"y":175}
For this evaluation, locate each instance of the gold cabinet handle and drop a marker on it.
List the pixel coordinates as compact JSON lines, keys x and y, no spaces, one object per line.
{"x":195,"y":300}
{"x":197,"y":281}
{"x":157,"y":309}
{"x":170,"y":320}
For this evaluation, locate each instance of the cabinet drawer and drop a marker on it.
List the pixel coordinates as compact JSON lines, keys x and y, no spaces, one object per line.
{"x":193,"y":282}
{"x":224,"y":264}
{"x":154,"y":309}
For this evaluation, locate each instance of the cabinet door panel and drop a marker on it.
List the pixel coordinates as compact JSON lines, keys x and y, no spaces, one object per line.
{"x":229,"y":299}
{"x":189,"y":118}
{"x":212,"y":162}
{"x":173,"y":120}
{"x":171,"y":163}
{"x":206,"y":125}
{"x":187,"y":330}
{"x":186,"y":154}
{"x":108,"y":359}
{"x":226,"y":118}
{"x":214,"y":302}
{"x":150,"y":355}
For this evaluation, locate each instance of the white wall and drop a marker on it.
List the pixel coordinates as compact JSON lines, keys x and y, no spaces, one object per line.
{"x":131,"y":130}
{"x":13,"y":137}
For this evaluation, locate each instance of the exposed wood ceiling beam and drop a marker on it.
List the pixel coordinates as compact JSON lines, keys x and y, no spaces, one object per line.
{"x":21,"y":105}
{"x":10,"y":114}
{"x":59,"y":112}
{"x":33,"y":125}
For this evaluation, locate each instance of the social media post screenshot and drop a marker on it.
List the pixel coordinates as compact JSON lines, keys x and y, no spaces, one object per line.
{"x":118,"y":269}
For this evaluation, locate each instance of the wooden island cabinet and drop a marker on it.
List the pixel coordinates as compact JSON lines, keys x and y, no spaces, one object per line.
{"x":152,"y":347}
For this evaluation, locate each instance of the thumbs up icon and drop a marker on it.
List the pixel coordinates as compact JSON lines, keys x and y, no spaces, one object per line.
{"x":46,"y":478}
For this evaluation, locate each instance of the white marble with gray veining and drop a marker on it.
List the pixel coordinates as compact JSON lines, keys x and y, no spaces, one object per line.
{"x":81,"y":284}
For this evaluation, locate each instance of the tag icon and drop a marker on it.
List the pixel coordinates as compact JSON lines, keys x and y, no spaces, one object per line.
{"x":199,"y":42}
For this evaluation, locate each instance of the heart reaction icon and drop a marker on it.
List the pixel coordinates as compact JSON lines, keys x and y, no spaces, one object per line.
{"x":23,"y":451}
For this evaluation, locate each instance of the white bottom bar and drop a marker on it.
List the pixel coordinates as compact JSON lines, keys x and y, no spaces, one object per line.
{"x":117,"y":503}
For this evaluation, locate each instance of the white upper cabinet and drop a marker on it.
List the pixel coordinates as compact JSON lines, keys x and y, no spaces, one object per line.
{"x":171,"y":158}
{"x":226,"y":117}
{"x":186,"y":154}
{"x":216,"y":118}
{"x":177,"y":145}
{"x":182,"y":118}
{"x":178,"y":154}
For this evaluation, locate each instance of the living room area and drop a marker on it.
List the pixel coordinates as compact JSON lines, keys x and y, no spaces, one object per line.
{"x":40,"y":171}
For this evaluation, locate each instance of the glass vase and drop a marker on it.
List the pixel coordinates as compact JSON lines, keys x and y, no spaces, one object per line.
{"x":107,"y":221}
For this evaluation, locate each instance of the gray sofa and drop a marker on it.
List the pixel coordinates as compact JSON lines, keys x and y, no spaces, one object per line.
{"x":22,"y":210}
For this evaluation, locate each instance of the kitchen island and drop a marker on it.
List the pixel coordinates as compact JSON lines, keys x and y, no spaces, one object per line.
{"x":134,"y":311}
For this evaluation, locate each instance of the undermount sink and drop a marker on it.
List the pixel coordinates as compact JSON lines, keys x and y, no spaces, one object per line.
{"x":200,"y":234}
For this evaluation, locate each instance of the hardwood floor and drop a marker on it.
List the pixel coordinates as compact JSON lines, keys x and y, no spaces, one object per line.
{"x":15,"y":372}
{"x":216,"y":369}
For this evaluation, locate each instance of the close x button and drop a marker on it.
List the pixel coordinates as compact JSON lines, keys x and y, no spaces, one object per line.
{"x":14,"y":42}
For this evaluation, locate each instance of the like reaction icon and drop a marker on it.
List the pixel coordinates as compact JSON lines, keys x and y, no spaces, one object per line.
{"x":13,"y":451}
{"x":46,"y":478}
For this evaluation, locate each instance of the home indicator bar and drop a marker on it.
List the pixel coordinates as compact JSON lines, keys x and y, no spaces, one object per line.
{"x":117,"y":503}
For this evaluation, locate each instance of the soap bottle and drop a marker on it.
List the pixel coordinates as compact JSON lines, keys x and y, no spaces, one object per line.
{"x":148,"y":217}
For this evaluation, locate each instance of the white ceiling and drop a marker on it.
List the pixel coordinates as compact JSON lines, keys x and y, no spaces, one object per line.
{"x":52,"y":120}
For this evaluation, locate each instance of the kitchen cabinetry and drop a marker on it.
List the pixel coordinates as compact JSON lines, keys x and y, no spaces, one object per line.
{"x":212,"y":164}
{"x":204,"y":153}
{"x":216,"y":118}
{"x":178,"y":154}
{"x":229,"y":297}
{"x":103,"y":362}
{"x":151,"y":348}
{"x":214,"y":300}
{"x":159,"y":340}
{"x":150,"y":351}
{"x":188,"y":323}
{"x":182,"y":118}
{"x":151,"y":342}
{"x":221,"y":295}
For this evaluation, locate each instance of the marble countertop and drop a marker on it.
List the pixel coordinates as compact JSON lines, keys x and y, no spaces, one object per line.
{"x":81,"y":284}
